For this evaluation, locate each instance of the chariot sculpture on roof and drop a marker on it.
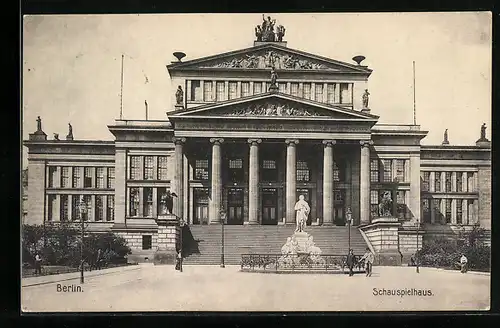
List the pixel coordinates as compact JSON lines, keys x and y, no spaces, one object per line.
{"x":266,"y":33}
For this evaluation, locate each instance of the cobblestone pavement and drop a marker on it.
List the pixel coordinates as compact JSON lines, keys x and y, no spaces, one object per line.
{"x":211,"y":288}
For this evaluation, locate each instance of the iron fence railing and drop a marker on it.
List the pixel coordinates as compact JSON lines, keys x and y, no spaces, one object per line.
{"x":298,"y":262}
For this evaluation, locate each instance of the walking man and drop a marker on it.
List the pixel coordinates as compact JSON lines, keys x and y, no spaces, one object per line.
{"x":98,"y":260}
{"x":369,"y":259}
{"x":350,"y":262}
{"x":38,"y":264}
{"x":463,"y":264}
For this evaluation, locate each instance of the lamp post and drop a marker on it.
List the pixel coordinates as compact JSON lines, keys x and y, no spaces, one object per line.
{"x":83,"y":209}
{"x":416,"y":254}
{"x":222,"y":219}
{"x":181,"y":225}
{"x":349,"y":222}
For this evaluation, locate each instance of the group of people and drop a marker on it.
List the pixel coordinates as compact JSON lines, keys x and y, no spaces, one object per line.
{"x":368,"y":258}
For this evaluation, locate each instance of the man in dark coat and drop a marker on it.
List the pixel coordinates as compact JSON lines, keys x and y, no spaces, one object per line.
{"x":351,"y":260}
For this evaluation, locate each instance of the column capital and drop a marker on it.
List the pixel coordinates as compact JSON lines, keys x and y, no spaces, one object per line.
{"x":216,"y":141}
{"x":329,"y":142}
{"x":254,"y":142}
{"x":366,"y":143}
{"x":292,"y":142}
{"x":179,"y":140}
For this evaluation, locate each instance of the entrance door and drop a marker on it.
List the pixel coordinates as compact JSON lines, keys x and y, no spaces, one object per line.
{"x":307,"y":197}
{"x":235,"y":206}
{"x":338,"y":207}
{"x":269,"y":206}
{"x":200,"y":206}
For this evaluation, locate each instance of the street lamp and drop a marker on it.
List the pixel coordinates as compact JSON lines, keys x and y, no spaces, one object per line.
{"x":349,"y":222}
{"x":222,"y":219}
{"x":83,"y":209}
{"x":416,"y":254}
{"x":181,"y":225}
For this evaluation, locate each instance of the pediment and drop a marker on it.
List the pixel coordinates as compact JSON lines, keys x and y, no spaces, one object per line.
{"x":267,"y":56}
{"x":273,"y":106}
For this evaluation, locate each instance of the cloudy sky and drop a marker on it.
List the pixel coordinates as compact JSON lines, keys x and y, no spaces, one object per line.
{"x":72,"y":64}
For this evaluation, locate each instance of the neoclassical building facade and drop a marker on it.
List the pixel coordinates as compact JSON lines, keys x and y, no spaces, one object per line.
{"x":248,"y":132}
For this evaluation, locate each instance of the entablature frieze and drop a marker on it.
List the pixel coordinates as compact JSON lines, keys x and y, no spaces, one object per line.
{"x":79,"y":160}
{"x":454,"y":195}
{"x":79,"y":191}
{"x":79,"y":163}
{"x":273,"y":135}
{"x":456,"y":162}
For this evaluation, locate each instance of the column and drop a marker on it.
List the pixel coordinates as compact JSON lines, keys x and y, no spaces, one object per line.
{"x":253,"y":182}
{"x":432,"y":182}
{"x":414,"y":200}
{"x":92,"y":209}
{"x":325,"y":93}
{"x":120,"y":187}
{"x":364,"y":182}
{"x":453,"y":211}
{"x":216,"y":183}
{"x":475,"y":182}
{"x":465,"y":211}
{"x":432,"y":207}
{"x":226,"y":90}
{"x":105,"y":207}
{"x":178,"y":182}
{"x":155,"y":202}
{"x":251,"y":88}
{"x":328,"y":182}
{"x":56,"y":209}
{"x":214,"y":90}
{"x":238,"y":89}
{"x":454,"y":181}
{"x":291,"y":177}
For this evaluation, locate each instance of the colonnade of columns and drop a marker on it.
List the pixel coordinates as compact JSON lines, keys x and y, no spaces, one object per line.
{"x":291,"y":180}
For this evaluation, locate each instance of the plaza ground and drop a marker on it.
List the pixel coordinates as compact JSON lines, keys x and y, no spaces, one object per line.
{"x":211,"y":288}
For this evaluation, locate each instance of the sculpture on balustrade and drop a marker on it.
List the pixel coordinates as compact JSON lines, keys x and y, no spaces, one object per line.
{"x":179,"y":95}
{"x":483,"y":132}
{"x":385,"y":206}
{"x":39,"y":124}
{"x":365,"y":99}
{"x":167,"y":200}
{"x":280,"y":31}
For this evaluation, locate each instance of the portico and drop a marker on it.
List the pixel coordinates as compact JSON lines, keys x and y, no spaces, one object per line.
{"x":255,"y":169}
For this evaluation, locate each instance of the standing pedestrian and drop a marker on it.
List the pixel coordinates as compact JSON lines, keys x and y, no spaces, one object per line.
{"x":38,"y":263}
{"x":350,"y":262}
{"x":369,"y":259}
{"x":98,"y":260}
{"x":463,"y":264}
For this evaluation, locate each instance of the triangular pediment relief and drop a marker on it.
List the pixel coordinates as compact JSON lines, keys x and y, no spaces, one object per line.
{"x":273,"y":105}
{"x":265,"y":57}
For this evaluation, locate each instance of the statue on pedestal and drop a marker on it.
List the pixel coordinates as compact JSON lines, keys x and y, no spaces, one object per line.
{"x":445,"y":137}
{"x":483,"y":132}
{"x":280,"y":32}
{"x":274,"y":77}
{"x":39,"y":124}
{"x":179,"y":95}
{"x":167,"y":200}
{"x":303,"y":209}
{"x":385,"y":206}
{"x":70,"y":132}
{"x":365,"y":99}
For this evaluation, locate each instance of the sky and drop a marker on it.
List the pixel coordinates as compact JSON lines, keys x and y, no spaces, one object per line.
{"x":72,"y":65}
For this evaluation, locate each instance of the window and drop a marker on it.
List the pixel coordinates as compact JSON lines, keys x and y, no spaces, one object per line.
{"x":459,"y":182}
{"x":134,"y":201}
{"x":282,"y":87}
{"x":425,"y":180}
{"x":195,"y":91}
{"x":64,"y":213}
{"x":111,"y":208}
{"x":87,"y":177}
{"x":294,"y":89}
{"x":207,"y":91}
{"x":437,"y":181}
{"x":345,"y":97}
{"x":374,"y":170}
{"x":459,"y":211}
{"x":330,"y":93}
{"x":245,"y":89}
{"x":220,"y":90}
{"x":401,"y":204}
{"x":135,"y":168}
{"x":448,"y":210}
{"x":75,"y":208}
{"x":338,"y":170}
{"x":387,"y":164}
{"x":447,"y":177}
{"x":307,"y":90}
{"x":162,"y":168}
{"x":52,"y":176}
{"x":87,"y":214}
{"x":236,"y":173}
{"x":99,"y":207}
{"x":233,"y":86}
{"x":426,"y":210}
{"x":400,"y":170}
{"x":436,"y":204}
{"x":303,"y":173}
{"x":65,"y":177}
{"x":148,"y":167}
{"x":148,"y":202}
{"x":201,"y":169}
{"x":257,"y":88}
{"x":77,"y":175}
{"x":319,"y":92}
{"x":99,"y":172}
{"x":111,"y":177}
{"x":374,"y":203}
{"x":269,"y":171}
{"x":147,"y":241}
{"x":51,"y":207}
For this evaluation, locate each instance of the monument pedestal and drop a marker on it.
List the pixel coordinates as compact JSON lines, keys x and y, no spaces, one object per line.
{"x":168,"y":236}
{"x":179,"y":107}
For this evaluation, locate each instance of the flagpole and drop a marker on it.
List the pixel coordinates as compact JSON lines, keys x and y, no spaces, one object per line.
{"x":121,"y":92}
{"x":146,"y":104}
{"x":414,"y":106}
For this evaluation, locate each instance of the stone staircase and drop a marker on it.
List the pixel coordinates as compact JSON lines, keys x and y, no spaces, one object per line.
{"x":202,"y":244}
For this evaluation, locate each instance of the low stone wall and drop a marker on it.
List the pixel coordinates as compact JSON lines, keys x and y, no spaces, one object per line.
{"x":134,"y":239}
